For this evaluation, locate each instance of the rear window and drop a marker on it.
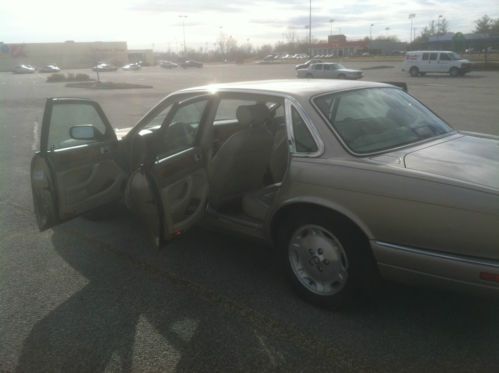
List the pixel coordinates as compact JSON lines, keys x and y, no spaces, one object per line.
{"x":376,"y":119}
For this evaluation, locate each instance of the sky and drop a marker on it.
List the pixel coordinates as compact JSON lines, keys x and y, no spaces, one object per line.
{"x":157,"y":23}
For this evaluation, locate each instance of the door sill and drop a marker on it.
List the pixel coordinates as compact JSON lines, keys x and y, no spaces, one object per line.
{"x":240,"y":219}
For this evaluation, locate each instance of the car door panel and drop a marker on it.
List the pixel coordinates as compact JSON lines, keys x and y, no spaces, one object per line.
{"x":70,"y":178}
{"x":183,"y":185}
{"x":169,"y":193}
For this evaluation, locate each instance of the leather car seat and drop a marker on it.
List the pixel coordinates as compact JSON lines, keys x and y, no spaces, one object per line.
{"x":240,"y":164}
{"x":257,"y":202}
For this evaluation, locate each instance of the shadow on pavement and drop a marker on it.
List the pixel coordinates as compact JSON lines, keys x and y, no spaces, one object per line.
{"x":127,"y":317}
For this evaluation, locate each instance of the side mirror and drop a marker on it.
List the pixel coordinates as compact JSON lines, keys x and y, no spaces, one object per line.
{"x":83,"y":132}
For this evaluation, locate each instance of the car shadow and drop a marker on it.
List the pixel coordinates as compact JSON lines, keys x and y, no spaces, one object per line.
{"x":130,"y":312}
{"x":129,"y":316}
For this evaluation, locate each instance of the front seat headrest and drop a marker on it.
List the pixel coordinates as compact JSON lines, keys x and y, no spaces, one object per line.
{"x":253,"y":115}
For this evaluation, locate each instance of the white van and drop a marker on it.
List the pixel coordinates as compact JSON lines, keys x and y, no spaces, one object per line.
{"x":418,"y":63}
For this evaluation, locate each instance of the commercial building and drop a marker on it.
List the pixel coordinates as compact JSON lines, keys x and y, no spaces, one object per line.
{"x":68,"y":55}
{"x":339,"y":46}
{"x":146,"y":56}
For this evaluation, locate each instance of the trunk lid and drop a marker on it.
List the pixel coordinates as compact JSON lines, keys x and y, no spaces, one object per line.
{"x":471,"y":158}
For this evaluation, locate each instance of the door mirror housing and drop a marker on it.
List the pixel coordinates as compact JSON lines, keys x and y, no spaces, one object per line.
{"x":83,"y":132}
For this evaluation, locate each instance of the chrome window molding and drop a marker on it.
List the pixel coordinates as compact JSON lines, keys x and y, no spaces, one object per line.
{"x":171,"y":156}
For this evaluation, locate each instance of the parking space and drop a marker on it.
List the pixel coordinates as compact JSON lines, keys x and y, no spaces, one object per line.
{"x":94,"y":296}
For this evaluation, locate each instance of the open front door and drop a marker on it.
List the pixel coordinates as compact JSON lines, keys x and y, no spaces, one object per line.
{"x":170,"y":191}
{"x":77,"y":167}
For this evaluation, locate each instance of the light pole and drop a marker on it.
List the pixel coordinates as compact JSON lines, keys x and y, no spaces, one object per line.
{"x":310,"y":29}
{"x":331,"y":22}
{"x":411,"y":17}
{"x":371,"y":31}
{"x":183,"y":31}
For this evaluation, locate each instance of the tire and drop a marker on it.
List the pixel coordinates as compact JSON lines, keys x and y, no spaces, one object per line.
{"x":309,"y":76}
{"x":335,"y":262}
{"x":454,"y":72}
{"x":414,"y":71}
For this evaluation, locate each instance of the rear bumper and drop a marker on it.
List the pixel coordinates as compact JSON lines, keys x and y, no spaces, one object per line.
{"x":417,"y":266}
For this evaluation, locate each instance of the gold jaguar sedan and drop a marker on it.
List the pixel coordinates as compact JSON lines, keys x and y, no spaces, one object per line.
{"x":347,"y":180}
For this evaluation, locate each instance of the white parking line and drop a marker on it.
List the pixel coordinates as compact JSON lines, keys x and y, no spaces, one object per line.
{"x":34,"y":146}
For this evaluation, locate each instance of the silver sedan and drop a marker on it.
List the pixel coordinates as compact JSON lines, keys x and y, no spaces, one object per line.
{"x":328,"y":70}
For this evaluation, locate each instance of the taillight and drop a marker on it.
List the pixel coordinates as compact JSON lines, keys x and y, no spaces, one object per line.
{"x":487,"y":276}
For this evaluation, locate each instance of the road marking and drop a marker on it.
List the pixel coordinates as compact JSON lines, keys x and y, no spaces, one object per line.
{"x":34,"y":146}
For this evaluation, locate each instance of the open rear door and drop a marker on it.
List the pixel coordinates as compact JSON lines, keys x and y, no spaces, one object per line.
{"x":77,"y":168}
{"x":169,"y":192}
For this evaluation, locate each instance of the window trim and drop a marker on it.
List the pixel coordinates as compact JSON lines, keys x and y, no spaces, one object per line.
{"x":288,"y":104}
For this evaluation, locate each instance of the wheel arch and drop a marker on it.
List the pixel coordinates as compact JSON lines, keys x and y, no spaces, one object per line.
{"x":301,"y":206}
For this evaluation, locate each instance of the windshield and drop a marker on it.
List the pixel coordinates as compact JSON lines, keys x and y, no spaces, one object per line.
{"x":376,"y":119}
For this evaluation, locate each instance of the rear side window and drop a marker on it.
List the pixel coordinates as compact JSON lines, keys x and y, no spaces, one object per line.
{"x":426,"y":56}
{"x":433,"y":56}
{"x":227,"y":108}
{"x":327,"y":67}
{"x":304,"y":141}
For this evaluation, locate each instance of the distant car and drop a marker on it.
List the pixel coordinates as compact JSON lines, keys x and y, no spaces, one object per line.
{"x":23,"y":69}
{"x":191,"y":63}
{"x":419,"y":63}
{"x":168,"y":65}
{"x":307,"y":64}
{"x":132,"y":67}
{"x":104,"y":67}
{"x":328,"y":70}
{"x":52,"y":68}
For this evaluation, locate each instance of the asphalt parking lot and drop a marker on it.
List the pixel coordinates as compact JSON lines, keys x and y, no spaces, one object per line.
{"x":93,"y":296}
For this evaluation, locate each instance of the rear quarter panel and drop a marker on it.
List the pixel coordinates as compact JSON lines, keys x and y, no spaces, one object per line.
{"x":399,"y":206}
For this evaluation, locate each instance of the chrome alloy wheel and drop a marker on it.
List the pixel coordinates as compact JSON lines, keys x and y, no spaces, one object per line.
{"x":318,"y":260}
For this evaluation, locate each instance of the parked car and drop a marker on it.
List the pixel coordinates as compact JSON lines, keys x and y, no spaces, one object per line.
{"x":132,"y":67}
{"x":307,"y":64}
{"x":347,"y":180}
{"x":328,"y":70}
{"x":191,"y":63}
{"x":52,"y":68}
{"x":168,"y":65}
{"x":23,"y":69}
{"x":419,"y":63}
{"x":103,"y":67}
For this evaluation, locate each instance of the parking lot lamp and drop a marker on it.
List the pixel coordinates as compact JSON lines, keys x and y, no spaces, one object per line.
{"x":310,"y":28}
{"x":411,"y":17}
{"x":183,"y":32}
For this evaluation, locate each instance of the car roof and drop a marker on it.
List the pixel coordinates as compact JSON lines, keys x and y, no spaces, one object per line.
{"x":291,"y":87}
